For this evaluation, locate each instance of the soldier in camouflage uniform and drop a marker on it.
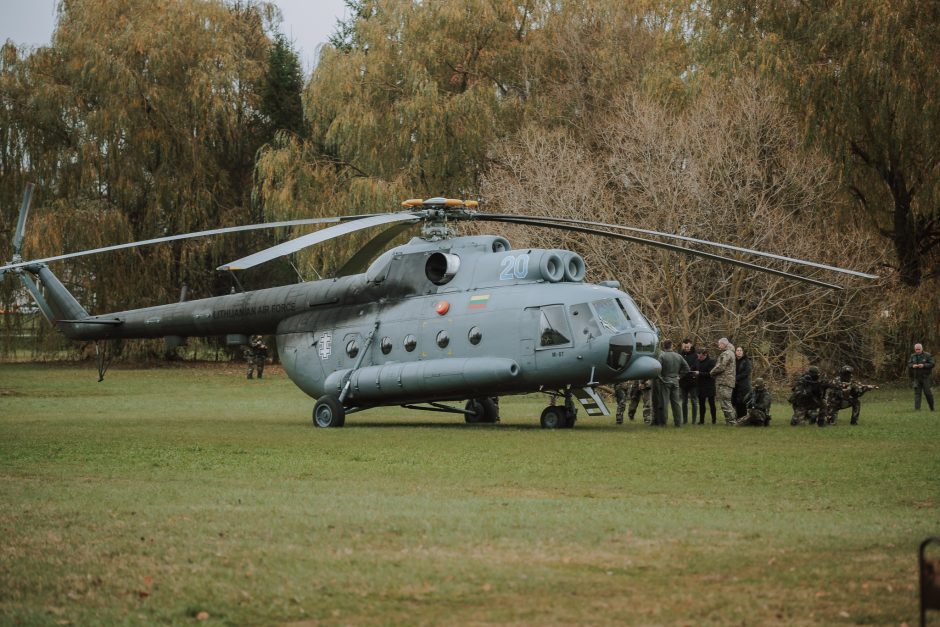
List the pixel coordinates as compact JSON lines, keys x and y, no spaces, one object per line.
{"x":757,"y":403}
{"x":808,"y":398}
{"x":724,"y":373}
{"x":256,"y":354}
{"x":633,"y":391}
{"x":844,"y":393}
{"x":920,"y":367}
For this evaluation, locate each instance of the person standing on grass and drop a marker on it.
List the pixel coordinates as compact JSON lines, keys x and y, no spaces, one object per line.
{"x":724,"y":374}
{"x":256,"y":354}
{"x":920,"y":368}
{"x":705,"y":385}
{"x":687,"y":392}
{"x":673,"y":367}
{"x":742,"y":382}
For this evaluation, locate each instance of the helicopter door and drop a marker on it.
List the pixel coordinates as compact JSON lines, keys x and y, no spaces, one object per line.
{"x":528,"y":325}
{"x":552,"y":335}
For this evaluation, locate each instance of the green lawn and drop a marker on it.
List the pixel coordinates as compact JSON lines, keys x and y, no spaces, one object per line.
{"x":173,"y":494}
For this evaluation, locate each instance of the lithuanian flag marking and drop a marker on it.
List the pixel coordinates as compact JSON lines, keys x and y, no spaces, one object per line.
{"x":479,"y":302}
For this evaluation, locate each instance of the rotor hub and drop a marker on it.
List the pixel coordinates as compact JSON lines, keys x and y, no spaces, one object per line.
{"x":438,"y":212}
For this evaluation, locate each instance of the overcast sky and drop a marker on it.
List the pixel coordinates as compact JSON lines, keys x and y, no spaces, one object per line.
{"x":307,"y":23}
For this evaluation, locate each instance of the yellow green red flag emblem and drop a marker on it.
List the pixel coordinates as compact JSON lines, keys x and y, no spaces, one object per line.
{"x":479,"y":301}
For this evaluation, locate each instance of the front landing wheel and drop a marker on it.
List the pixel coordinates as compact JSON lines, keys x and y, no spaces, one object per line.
{"x":328,"y":412}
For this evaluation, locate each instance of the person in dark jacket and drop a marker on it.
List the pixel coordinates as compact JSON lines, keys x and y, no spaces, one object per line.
{"x":705,"y":385}
{"x":742,"y":381}
{"x":688,"y":394}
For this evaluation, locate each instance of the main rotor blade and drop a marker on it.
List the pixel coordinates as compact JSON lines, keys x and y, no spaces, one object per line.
{"x":704,"y":242}
{"x":304,"y":241}
{"x":649,"y":242}
{"x":170,"y":238}
{"x":21,"y":221}
{"x":357,"y":263}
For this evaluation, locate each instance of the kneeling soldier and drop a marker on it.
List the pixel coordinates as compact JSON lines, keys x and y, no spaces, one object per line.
{"x":757,"y":402}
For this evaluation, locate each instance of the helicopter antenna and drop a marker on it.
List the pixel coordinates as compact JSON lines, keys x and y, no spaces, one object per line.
{"x":237,"y":282}
{"x":299,"y":275}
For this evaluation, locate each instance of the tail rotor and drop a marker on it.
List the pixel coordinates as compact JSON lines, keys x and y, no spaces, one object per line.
{"x":21,"y":226}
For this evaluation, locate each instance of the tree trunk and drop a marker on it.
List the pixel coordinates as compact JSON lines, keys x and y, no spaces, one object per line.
{"x":905,"y":236}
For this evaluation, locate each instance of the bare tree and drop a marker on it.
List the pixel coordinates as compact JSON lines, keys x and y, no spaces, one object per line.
{"x":730,"y":168}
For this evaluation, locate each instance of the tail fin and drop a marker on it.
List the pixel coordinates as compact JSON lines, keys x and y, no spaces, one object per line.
{"x":57,"y":300}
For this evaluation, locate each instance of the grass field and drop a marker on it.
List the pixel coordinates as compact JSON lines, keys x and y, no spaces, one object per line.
{"x":188,"y":494}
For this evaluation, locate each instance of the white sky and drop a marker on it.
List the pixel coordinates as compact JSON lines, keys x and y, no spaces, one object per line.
{"x":307,"y":23}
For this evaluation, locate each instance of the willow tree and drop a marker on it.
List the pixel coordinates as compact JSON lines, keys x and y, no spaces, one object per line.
{"x":411,"y":97}
{"x":147,"y":119}
{"x":865,"y":80}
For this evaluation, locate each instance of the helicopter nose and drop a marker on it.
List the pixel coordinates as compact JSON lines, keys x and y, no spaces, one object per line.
{"x":620,"y":351}
{"x":627,"y":356}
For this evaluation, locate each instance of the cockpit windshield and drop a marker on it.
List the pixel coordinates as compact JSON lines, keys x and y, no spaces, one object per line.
{"x":630,"y":309}
{"x":611,"y":315}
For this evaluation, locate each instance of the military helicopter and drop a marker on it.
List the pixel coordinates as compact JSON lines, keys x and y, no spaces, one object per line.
{"x":440,"y":319}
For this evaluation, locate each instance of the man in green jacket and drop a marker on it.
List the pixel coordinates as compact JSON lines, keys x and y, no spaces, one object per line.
{"x":673,"y":366}
{"x":920,"y":368}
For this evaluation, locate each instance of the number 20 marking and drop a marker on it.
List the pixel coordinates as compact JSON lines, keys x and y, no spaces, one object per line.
{"x":514,"y":267}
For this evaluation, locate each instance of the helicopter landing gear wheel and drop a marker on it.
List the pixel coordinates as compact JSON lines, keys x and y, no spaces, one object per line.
{"x":328,"y":412}
{"x":484,"y":410}
{"x":555,"y":418}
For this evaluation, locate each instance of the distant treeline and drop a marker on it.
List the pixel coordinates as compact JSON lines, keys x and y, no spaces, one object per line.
{"x":804,"y":129}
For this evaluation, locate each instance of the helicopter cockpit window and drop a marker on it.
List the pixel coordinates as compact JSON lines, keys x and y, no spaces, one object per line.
{"x":583,"y":321}
{"x":631,"y":312}
{"x":553,"y":326}
{"x":611,"y":315}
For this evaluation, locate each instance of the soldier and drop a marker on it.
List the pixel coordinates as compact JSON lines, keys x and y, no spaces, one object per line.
{"x":843,"y":394}
{"x":724,"y":373}
{"x":633,"y":391}
{"x":256,"y":353}
{"x":808,"y":398}
{"x":757,"y":403}
{"x":673,"y":367}
{"x":920,"y":367}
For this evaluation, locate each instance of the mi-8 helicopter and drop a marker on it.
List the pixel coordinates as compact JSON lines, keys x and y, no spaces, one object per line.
{"x":439,"y":319}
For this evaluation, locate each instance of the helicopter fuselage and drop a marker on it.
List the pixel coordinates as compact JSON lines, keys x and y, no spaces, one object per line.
{"x":428,"y":321}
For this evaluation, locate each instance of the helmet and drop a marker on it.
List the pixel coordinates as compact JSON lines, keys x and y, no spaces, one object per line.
{"x":814,"y":370}
{"x":847,"y":370}
{"x":758,"y":383}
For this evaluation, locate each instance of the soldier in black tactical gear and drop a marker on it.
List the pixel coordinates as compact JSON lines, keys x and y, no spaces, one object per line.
{"x":845,"y":393}
{"x":757,"y":403}
{"x":808,"y":398}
